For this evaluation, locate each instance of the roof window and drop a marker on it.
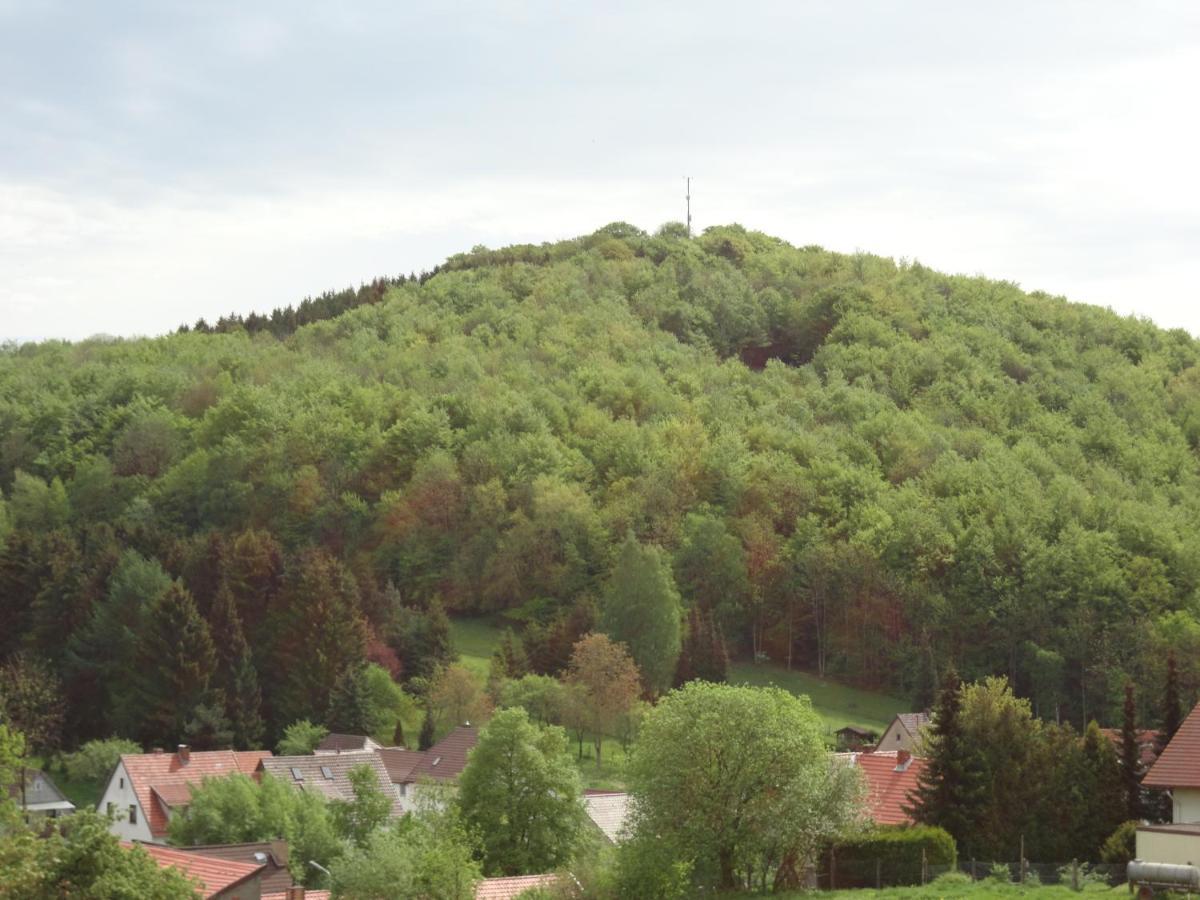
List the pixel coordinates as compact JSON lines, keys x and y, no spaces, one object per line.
{"x":327,"y":772}
{"x":297,"y":774}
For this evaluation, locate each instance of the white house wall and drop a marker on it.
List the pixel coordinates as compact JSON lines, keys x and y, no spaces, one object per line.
{"x":121,"y":799}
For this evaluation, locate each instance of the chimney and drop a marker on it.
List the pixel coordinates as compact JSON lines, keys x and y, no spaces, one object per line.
{"x":903,"y":758}
{"x":295,"y":892}
{"x":185,"y":754}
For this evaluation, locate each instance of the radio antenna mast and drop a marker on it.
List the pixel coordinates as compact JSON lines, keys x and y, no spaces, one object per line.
{"x":689,"y":205}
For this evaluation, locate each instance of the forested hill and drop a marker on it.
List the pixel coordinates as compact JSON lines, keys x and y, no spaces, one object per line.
{"x":897,"y":468}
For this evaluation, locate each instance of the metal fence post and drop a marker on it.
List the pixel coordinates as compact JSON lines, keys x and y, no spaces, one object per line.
{"x":924,"y":867}
{"x":832,"y":869}
{"x":878,"y":873}
{"x":974,"y":877}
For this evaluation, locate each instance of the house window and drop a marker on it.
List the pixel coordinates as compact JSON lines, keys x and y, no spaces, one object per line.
{"x":122,"y":784}
{"x":108,"y":809}
{"x":327,"y":772}
{"x":897,"y":735}
{"x":133,"y":815}
{"x":404,"y":790}
{"x":297,"y":775}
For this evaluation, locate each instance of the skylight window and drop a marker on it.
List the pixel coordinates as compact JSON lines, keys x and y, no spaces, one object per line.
{"x":297,"y":774}
{"x":436,"y":761}
{"x":327,"y":772}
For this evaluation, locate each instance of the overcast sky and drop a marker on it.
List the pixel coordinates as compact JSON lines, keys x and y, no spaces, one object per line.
{"x":164,"y":161}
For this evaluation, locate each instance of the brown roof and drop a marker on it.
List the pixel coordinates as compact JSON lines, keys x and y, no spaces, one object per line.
{"x":1179,"y":763}
{"x":166,"y":775}
{"x":890,"y":783}
{"x":507,"y":888}
{"x":400,"y":762}
{"x":272,"y":855}
{"x":213,"y":875}
{"x":309,"y":894}
{"x":1147,"y":742}
{"x":446,"y":759}
{"x":335,"y":785}
{"x":340,"y":743}
{"x":914,"y":722}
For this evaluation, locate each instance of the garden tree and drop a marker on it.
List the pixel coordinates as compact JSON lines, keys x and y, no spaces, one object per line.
{"x":541,"y":696}
{"x":31,"y":701}
{"x":301,"y":738}
{"x":316,"y":615}
{"x":421,"y":638}
{"x":236,"y":676}
{"x":12,"y":759}
{"x":755,"y":790}
{"x":81,"y":858}
{"x":175,"y":659}
{"x":366,"y":811}
{"x":548,"y":648}
{"x":428,"y":735}
{"x":96,"y":759}
{"x":387,"y":705}
{"x":456,"y":697}
{"x":949,"y":785}
{"x":349,"y":710}
{"x":238,"y":809}
{"x":520,"y":793}
{"x":1172,"y":714}
{"x":1131,"y":758}
{"x":608,"y":683}
{"x":641,"y":610}
{"x":1101,"y":810}
{"x":427,"y":855}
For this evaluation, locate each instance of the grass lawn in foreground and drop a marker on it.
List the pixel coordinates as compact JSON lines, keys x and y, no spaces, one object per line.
{"x":980,"y":890}
{"x":837,"y":704}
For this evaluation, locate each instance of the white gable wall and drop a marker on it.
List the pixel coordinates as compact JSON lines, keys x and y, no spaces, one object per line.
{"x":119,"y":792}
{"x":896,"y":737}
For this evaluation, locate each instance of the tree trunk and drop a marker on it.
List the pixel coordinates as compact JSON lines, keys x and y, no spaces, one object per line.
{"x":725,"y":860}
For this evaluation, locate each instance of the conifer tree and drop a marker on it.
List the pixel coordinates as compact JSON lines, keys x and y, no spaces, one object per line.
{"x":398,"y":734}
{"x":175,"y":662}
{"x":236,"y":674}
{"x":512,"y":655}
{"x":426,"y":738}
{"x":1131,"y":787}
{"x":1172,"y":709}
{"x":943,"y":789}
{"x":349,"y":709}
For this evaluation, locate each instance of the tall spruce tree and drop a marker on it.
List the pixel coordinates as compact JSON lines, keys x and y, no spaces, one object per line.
{"x":349,"y":709}
{"x":175,"y":662}
{"x":237,"y":676}
{"x":943,"y":788}
{"x":1172,"y":716}
{"x":426,"y":738}
{"x":1131,"y":788}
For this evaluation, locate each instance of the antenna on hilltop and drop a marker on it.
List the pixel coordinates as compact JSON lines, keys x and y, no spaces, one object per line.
{"x":688,"y":197}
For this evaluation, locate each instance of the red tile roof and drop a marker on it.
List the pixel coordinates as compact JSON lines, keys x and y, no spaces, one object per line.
{"x":213,"y":875}
{"x":507,"y":888}
{"x":166,"y":775}
{"x":272,"y":855}
{"x":1179,"y":764}
{"x":888,"y":790}
{"x":308,"y":895}
{"x":1147,"y":741}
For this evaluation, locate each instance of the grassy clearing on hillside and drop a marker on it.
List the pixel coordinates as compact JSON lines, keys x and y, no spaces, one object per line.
{"x":837,"y":704}
{"x":475,"y":640}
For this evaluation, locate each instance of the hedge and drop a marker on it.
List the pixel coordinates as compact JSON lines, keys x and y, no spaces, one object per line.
{"x":893,"y":855}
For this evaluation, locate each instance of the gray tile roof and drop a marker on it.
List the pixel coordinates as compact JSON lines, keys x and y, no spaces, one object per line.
{"x":328,"y":774}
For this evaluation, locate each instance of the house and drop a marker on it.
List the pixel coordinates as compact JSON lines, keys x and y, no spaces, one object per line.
{"x":904,"y":733}
{"x":609,"y":812}
{"x":346,"y":743}
{"x":38,"y":796}
{"x":891,"y":778}
{"x":329,"y":774}
{"x":146,"y":789}
{"x":271,"y":855}
{"x":509,"y":888}
{"x":1177,"y":770}
{"x":216,"y":879}
{"x":440,"y":764}
{"x":853,"y":738}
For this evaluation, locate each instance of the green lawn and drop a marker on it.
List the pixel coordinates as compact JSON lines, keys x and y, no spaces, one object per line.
{"x":837,"y":704}
{"x":475,"y":640}
{"x":981,"y":890}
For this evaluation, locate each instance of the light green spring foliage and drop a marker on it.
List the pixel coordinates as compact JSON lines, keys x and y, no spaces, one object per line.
{"x":422,"y":856}
{"x":730,"y":779}
{"x":12,"y":754}
{"x":95,"y":760}
{"x":84,"y":861}
{"x":541,"y":696}
{"x":642,"y":610}
{"x":368,"y":809}
{"x":520,"y":792}
{"x":979,"y":472}
{"x":301,"y":738}
{"x":236,"y":809}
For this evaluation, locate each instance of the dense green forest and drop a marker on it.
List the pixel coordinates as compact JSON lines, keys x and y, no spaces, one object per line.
{"x":850,"y":464}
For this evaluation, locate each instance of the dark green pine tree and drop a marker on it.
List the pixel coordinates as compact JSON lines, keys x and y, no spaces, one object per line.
{"x":945,"y":787}
{"x":1172,"y":708}
{"x":209,"y":728}
{"x":512,"y":656}
{"x":425,"y":740}
{"x":685,"y":666}
{"x":237,"y":677}
{"x":711,"y":659}
{"x":398,"y":734}
{"x":175,"y":661}
{"x":1131,"y":788}
{"x":349,"y":709}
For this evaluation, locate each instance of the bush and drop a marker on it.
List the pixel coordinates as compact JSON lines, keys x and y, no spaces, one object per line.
{"x":1121,"y":845}
{"x":896,"y":851}
{"x":1000,"y":872}
{"x":949,"y":880}
{"x":95,"y":760}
